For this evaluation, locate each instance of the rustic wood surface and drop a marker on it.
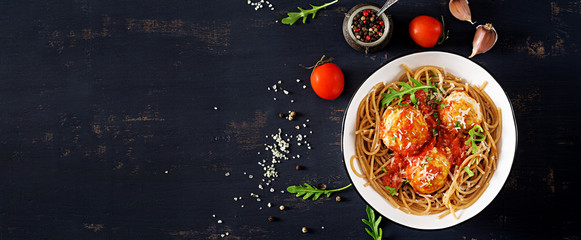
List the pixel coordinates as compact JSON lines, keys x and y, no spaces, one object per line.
{"x":109,"y":128}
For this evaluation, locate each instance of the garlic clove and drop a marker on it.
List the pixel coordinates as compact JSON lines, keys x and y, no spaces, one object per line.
{"x":460,"y":10}
{"x":484,"y":39}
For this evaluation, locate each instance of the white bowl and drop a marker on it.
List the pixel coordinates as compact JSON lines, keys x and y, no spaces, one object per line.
{"x":467,"y":70}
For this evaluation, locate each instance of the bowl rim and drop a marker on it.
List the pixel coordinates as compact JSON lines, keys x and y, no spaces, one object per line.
{"x":344,"y":160}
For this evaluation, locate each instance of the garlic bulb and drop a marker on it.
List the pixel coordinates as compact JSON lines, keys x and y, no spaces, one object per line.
{"x":484,"y":38}
{"x":460,"y":10}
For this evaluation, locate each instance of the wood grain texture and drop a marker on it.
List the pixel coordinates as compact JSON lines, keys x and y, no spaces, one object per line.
{"x":121,"y":119}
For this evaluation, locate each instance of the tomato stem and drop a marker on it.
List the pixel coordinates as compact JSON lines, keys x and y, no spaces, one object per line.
{"x":445,"y":33}
{"x":319,"y":63}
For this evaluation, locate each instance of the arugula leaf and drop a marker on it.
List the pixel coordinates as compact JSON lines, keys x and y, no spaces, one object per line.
{"x":307,"y":191}
{"x":476,"y":135}
{"x":406,"y":89}
{"x":374,"y":231}
{"x":294,"y":16}
{"x":467,"y":170}
{"x":391,"y":190}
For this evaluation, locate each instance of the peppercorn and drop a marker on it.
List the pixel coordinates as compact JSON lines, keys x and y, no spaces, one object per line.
{"x":271,"y":218}
{"x":305,"y":230}
{"x":366,"y":26}
{"x":322,"y":186}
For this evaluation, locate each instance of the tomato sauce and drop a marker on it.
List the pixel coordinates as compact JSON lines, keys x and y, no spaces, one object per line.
{"x":449,"y":141}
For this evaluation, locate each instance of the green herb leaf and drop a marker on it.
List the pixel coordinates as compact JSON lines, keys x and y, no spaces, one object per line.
{"x":467,"y":170}
{"x":383,"y":169}
{"x":307,"y":191}
{"x":391,"y":190}
{"x":294,"y":16}
{"x":405,"y":181}
{"x":429,"y":159}
{"x":374,"y":231}
{"x":434,"y":132}
{"x":406,"y":89}
{"x":393,"y":138}
{"x":443,"y":105}
{"x":458,"y":124}
{"x":476,"y":135}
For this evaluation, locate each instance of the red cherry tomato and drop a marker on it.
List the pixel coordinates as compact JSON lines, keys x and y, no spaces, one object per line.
{"x":425,"y":31}
{"x":327,"y":81}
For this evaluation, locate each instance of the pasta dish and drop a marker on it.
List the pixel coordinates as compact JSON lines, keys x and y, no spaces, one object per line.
{"x":428,"y":142}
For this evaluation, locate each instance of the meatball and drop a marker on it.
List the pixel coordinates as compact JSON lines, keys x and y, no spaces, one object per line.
{"x":460,"y":111}
{"x":428,"y":171}
{"x":404,"y":129}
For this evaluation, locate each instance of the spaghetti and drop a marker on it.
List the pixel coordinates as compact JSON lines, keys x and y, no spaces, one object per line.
{"x":447,"y":171}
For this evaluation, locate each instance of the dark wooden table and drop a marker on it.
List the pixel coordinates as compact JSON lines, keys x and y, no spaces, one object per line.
{"x":121,"y":119}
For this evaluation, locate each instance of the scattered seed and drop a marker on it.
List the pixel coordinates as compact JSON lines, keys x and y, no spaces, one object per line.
{"x":305,"y":230}
{"x":322,"y":186}
{"x":270,"y":218}
{"x":298,"y":167}
{"x":281,"y":207}
{"x":338,"y":199}
{"x":281,"y":115}
{"x":219,"y":221}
